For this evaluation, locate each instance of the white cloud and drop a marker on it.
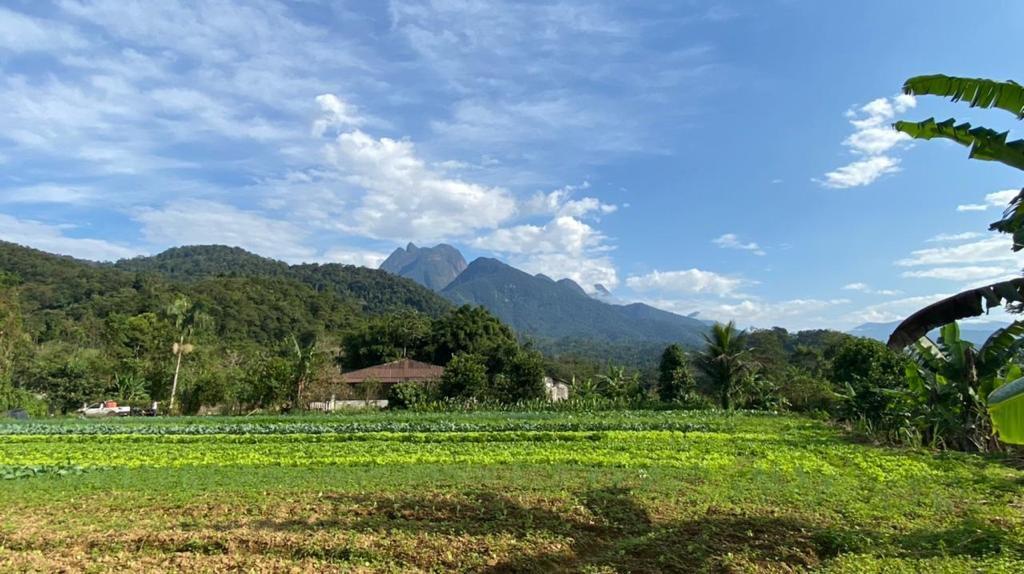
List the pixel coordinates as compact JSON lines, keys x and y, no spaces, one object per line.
{"x":54,"y":239}
{"x":862,"y":172}
{"x":965,"y":273}
{"x":197,"y":222}
{"x":894,"y":310}
{"x":371,"y":259}
{"x":561,"y":235}
{"x":999,"y":199}
{"x":732,"y":241}
{"x":560,"y":203}
{"x":1002,"y":198}
{"x":404,"y":199}
{"x":793,"y":313}
{"x":942,"y":237}
{"x":563,"y":247}
{"x":865,"y":288}
{"x":336,"y":114}
{"x":586,"y":270}
{"x":995,"y":248}
{"x":49,"y":193}
{"x":872,"y":140}
{"x":686,"y":281}
{"x":21,"y":33}
{"x":972,"y":207}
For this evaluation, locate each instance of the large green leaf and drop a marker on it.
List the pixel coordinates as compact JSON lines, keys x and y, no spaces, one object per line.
{"x":978,"y":92}
{"x":970,"y":303}
{"x":927,"y":354}
{"x":1002,"y":344}
{"x":985,"y":144}
{"x":1006,"y":407}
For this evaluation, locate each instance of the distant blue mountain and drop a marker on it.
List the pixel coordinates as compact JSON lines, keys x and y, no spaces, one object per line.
{"x":976,"y":333}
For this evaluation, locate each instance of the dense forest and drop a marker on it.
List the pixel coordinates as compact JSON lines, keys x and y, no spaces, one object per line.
{"x":75,"y":331}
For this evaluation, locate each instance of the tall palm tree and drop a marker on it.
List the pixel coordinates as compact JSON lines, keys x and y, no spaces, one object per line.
{"x":187,"y":317}
{"x":724,"y":359}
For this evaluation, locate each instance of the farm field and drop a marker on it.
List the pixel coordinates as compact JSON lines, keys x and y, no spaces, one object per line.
{"x":496,"y":492}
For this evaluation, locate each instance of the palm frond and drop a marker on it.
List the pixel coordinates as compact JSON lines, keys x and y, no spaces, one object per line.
{"x":970,"y":303}
{"x":978,"y":92}
{"x":985,"y":144}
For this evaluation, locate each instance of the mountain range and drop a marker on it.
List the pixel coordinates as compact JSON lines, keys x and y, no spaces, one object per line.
{"x":538,"y":306}
{"x":975,"y":332}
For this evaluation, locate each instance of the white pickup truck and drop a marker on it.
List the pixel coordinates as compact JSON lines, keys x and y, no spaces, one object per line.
{"x":104,"y":409}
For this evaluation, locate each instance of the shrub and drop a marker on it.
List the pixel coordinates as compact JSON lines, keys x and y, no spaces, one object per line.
{"x":411,"y":395}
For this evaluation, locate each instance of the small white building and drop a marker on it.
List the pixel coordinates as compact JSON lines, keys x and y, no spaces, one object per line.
{"x":556,"y":390}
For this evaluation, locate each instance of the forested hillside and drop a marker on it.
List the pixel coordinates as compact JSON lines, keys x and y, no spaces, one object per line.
{"x":372,"y":290}
{"x":75,"y":330}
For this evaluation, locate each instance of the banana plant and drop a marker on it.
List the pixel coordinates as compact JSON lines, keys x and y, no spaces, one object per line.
{"x":953,"y":378}
{"x":1007,"y":407}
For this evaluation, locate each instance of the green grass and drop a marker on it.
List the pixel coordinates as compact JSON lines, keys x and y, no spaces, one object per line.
{"x":499,"y":492}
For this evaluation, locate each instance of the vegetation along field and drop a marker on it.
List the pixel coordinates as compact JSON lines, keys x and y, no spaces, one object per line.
{"x":627,"y":491}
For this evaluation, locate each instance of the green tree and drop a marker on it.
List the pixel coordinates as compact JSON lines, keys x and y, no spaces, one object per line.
{"x":387,"y":338}
{"x":869,"y":376}
{"x":524,"y":378}
{"x":187,"y":317}
{"x":675,"y":377}
{"x":724,"y":360}
{"x":472,"y":330}
{"x":68,"y":376}
{"x":12,"y":341}
{"x":464,"y":377}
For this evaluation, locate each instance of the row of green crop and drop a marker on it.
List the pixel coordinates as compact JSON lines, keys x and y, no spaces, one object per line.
{"x":632,"y":449}
{"x":406,"y":422}
{"x":346,"y":427}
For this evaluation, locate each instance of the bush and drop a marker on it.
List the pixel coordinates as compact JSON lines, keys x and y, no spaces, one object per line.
{"x":869,"y":376}
{"x":411,"y":395}
{"x":464,"y":377}
{"x":807,"y":393}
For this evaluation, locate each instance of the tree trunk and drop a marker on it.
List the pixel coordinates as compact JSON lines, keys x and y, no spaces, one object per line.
{"x":177,"y":369}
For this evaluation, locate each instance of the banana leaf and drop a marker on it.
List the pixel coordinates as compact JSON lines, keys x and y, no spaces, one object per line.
{"x":978,"y":92}
{"x":1006,"y":407}
{"x":970,"y":303}
{"x":985,"y":144}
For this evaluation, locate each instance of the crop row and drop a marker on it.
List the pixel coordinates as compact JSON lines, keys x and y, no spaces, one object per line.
{"x":100,"y":428}
{"x":704,"y":452}
{"x":685,"y":421}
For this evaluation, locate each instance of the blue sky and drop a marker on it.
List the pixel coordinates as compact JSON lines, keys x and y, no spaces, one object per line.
{"x":726,"y":157}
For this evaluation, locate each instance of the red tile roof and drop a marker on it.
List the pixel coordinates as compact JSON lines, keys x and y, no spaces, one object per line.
{"x":399,"y":371}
